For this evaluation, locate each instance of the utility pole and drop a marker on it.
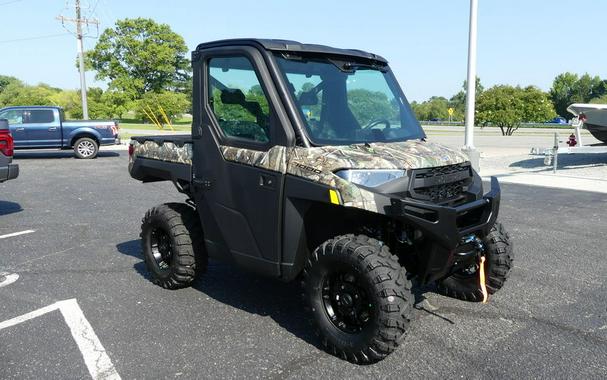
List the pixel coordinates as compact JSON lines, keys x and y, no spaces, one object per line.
{"x":469,"y":148}
{"x":79,"y":20}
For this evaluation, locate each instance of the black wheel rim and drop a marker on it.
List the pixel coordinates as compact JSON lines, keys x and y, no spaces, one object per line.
{"x":346,"y":302}
{"x":162,"y":249}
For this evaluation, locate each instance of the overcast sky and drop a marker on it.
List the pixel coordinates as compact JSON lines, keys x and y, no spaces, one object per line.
{"x":520,"y":42}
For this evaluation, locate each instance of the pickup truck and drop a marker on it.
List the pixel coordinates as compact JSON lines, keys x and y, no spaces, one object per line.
{"x":306,"y":163}
{"x":8,"y":170}
{"x":44,"y":127}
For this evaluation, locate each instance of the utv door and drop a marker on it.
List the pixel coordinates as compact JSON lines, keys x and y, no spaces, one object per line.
{"x":238,"y":122}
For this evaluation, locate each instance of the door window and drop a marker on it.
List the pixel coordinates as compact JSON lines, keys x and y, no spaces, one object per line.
{"x":307,"y":89}
{"x":14,"y":117}
{"x":38,"y":116}
{"x":239,"y":103}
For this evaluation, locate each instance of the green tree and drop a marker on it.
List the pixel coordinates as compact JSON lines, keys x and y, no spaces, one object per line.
{"x":561,"y":92}
{"x":507,"y":107}
{"x":117,"y":103}
{"x":568,"y":88}
{"x":18,"y":94}
{"x":600,"y":100}
{"x":173,"y":104}
{"x":458,"y":101}
{"x":434,"y":108}
{"x":370,"y":105}
{"x":70,"y":101}
{"x":99,"y":107}
{"x":537,"y":107}
{"x":139,"y":56}
{"x":6,"y":80}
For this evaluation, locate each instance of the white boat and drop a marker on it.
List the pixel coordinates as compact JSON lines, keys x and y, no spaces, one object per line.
{"x":594,"y":117}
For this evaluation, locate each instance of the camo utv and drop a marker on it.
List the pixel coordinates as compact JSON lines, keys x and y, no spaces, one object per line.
{"x":306,"y":163}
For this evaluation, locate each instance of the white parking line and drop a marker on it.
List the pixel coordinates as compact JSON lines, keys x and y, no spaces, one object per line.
{"x":16,"y":234}
{"x":9,"y":278}
{"x":96,"y":359}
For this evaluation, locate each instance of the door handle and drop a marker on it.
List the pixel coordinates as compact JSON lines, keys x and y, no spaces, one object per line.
{"x":204,"y":184}
{"x":267,"y":181}
{"x":19,"y":129}
{"x":197,"y":132}
{"x":52,"y":128}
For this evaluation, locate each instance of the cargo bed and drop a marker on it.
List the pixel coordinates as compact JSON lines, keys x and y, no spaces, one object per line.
{"x":161,"y":158}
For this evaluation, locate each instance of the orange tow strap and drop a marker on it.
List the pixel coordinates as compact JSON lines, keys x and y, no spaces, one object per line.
{"x":482,"y":279}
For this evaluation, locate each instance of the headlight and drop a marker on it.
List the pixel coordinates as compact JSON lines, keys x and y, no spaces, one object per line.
{"x":370,"y":178}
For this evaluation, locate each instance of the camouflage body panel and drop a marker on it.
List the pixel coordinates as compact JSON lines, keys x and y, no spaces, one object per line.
{"x":398,"y":155}
{"x":318,"y":164}
{"x":166,"y":151}
{"x":274,"y":159}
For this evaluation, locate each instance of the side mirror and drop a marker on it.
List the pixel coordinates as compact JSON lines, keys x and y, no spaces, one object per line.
{"x":232,"y":96}
{"x":308,"y":98}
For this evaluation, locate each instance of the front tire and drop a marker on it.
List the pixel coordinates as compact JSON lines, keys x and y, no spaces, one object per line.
{"x":359,"y":297}
{"x":173,"y":248}
{"x":499,"y":257}
{"x":86,"y":148}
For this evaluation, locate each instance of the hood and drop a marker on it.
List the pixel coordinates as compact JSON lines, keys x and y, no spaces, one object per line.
{"x":396,"y":155}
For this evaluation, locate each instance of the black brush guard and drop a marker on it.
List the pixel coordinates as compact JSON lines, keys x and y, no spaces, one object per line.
{"x":445,"y":226}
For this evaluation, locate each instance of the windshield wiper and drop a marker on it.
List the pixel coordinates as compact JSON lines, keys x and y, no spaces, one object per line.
{"x":350,"y":67}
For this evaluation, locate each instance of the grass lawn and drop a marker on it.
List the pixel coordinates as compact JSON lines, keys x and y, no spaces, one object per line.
{"x":152,"y":127}
{"x":128,"y":129}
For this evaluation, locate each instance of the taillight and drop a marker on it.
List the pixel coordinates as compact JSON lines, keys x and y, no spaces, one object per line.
{"x":114,"y":130}
{"x":6,"y":142}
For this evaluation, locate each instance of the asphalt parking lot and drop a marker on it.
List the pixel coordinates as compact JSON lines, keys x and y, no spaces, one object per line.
{"x":549,"y":320}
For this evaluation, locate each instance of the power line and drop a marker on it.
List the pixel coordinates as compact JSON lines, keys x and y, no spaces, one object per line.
{"x":94,"y":7}
{"x":10,"y":2}
{"x":34,"y":38}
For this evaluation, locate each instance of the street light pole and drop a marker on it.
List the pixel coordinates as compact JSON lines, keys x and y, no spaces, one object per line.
{"x":471,"y":88}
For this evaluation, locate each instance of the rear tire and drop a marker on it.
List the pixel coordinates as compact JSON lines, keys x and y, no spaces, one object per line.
{"x":359,"y":297}
{"x":499,"y":257}
{"x":86,"y":148}
{"x":173,"y":248}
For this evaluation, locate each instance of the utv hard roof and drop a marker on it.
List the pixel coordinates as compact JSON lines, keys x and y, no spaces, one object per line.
{"x":292,"y":46}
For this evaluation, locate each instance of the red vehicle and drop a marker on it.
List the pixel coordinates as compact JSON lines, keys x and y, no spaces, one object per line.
{"x":8,"y":170}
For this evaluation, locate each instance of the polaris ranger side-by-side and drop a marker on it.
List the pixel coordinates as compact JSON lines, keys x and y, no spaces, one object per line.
{"x":306,"y":162}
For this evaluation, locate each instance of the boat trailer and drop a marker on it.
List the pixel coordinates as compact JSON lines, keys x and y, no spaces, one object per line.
{"x":575,"y":145}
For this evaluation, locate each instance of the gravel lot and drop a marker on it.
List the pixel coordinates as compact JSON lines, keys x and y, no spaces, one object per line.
{"x":549,"y":321}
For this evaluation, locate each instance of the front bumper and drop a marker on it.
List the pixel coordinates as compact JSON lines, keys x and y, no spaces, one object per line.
{"x":11,"y":171}
{"x":445,"y":226}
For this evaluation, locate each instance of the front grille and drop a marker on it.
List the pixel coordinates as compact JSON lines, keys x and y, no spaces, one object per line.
{"x":441,"y":184}
{"x":442,"y":170}
{"x":442,"y":193}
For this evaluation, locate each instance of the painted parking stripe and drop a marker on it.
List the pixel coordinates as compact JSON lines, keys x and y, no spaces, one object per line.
{"x":16,"y":234}
{"x":96,"y":359}
{"x":9,"y":278}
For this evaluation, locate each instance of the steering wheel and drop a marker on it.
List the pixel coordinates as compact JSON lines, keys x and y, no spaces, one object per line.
{"x":375,"y":122}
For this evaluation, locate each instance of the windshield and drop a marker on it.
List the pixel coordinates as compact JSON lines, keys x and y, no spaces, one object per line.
{"x":348,"y":103}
